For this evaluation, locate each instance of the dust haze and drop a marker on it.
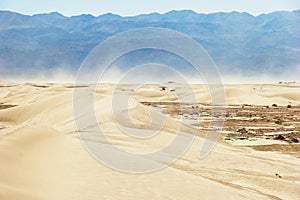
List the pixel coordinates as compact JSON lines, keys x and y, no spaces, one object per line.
{"x":147,"y":73}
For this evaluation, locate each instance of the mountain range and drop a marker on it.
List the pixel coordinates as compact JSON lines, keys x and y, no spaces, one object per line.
{"x":237,"y":42}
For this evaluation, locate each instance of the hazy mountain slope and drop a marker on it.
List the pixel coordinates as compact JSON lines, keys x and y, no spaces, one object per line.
{"x":238,"y":42}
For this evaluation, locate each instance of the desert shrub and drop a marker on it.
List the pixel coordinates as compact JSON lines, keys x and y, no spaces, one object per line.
{"x":279,"y":137}
{"x":278,"y":121}
{"x":295,"y":140}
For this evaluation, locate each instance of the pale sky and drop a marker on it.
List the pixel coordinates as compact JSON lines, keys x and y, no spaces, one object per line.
{"x":135,"y":7}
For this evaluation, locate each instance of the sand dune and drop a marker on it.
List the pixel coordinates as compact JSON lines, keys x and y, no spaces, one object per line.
{"x":42,"y":157}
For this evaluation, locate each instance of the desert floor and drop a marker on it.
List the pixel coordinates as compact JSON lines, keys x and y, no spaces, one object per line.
{"x":256,"y":157}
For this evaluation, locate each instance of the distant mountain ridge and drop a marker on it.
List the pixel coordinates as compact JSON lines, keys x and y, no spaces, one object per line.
{"x":237,"y":42}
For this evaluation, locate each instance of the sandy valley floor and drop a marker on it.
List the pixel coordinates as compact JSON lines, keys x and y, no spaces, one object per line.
{"x":257,"y":156}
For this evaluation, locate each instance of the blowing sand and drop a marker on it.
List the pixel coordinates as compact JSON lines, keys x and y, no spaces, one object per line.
{"x":41,"y":156}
